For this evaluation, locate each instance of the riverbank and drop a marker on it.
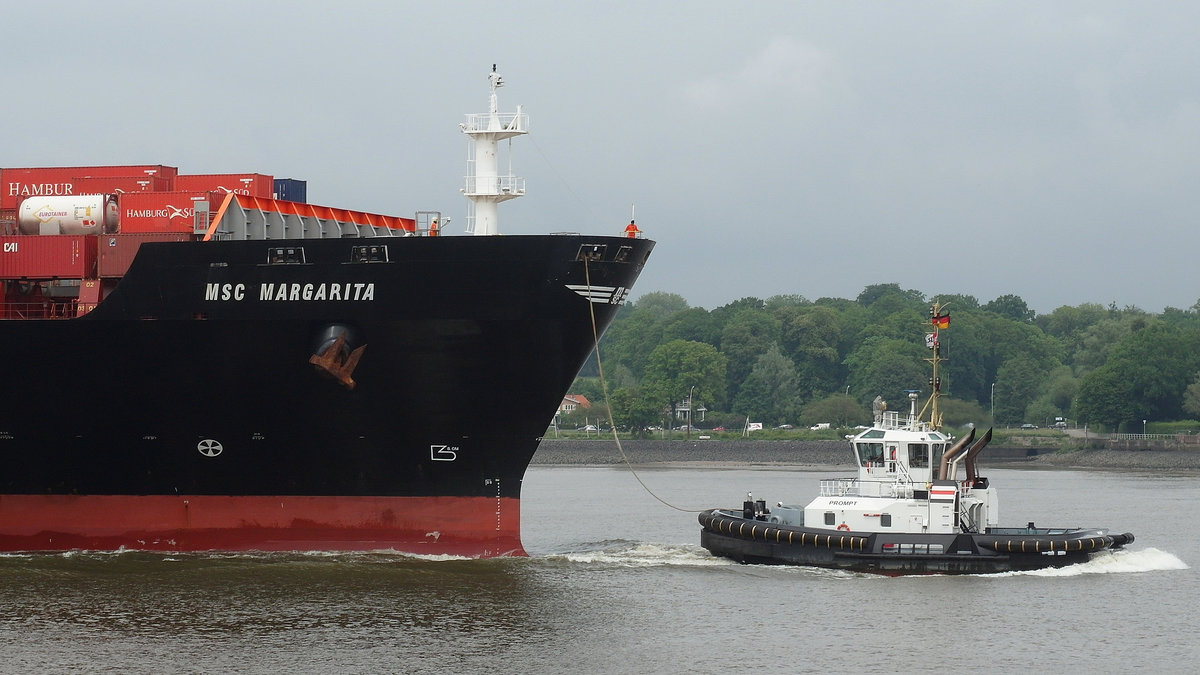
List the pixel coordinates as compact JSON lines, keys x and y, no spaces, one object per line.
{"x":837,"y":454}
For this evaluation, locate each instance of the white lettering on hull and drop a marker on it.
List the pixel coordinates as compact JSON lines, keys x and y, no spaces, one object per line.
{"x":225,"y":292}
{"x":352,"y":292}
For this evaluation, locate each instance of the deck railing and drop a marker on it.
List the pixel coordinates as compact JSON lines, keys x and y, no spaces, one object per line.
{"x":46,"y":309}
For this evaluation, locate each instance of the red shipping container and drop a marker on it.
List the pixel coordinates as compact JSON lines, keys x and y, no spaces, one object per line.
{"x":118,"y":250}
{"x":61,"y":256}
{"x":59,"y":181}
{"x":168,"y":172}
{"x":253,"y":184}
{"x":161,"y":211}
{"x":116,"y":185}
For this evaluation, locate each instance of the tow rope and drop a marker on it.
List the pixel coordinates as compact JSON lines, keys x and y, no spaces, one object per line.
{"x":608,"y":404}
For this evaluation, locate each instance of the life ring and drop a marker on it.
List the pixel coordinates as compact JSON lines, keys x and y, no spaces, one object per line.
{"x":844,"y":527}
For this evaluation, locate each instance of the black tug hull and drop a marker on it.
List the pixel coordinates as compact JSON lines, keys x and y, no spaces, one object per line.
{"x":758,"y":542}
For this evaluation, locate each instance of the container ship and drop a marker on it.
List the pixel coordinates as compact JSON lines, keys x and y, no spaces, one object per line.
{"x":209,"y":362}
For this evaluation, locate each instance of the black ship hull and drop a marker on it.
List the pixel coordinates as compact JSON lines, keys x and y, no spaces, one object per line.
{"x":303,"y":394}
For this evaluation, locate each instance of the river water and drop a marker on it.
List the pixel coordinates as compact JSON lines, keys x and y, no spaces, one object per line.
{"x":617,"y":583}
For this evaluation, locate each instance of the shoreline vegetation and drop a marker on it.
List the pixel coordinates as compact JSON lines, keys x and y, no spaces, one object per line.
{"x":836,"y":454}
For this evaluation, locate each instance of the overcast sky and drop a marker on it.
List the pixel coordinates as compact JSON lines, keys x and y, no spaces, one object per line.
{"x":1045,"y":149}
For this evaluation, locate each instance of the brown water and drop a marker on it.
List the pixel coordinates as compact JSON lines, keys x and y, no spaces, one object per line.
{"x":617,"y":583}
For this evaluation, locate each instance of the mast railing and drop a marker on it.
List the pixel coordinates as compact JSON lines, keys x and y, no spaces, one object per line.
{"x":514,"y":122}
{"x":478,"y":185}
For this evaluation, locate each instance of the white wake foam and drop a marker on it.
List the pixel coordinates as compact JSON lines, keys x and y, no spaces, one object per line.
{"x":643,"y":554}
{"x":1122,"y":561}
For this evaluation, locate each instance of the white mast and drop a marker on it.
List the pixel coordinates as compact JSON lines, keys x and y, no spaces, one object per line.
{"x":485,"y":186}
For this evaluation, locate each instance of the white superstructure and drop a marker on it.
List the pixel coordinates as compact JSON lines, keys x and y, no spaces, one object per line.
{"x":908,"y":481}
{"x":486,"y":186}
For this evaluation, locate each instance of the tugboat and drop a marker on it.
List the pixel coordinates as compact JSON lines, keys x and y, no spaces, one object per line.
{"x":917,"y":506}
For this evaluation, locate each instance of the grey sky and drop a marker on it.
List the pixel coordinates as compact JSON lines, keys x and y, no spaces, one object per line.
{"x":1046,"y":149}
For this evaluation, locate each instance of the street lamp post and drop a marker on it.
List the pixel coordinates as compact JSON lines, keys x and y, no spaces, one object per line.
{"x":688,"y":436}
{"x":1143,"y":428}
{"x":993,"y":403}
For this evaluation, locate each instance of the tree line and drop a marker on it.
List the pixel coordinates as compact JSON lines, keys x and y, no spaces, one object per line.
{"x":789,"y":360}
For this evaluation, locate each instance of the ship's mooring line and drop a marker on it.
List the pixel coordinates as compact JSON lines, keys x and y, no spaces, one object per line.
{"x":587,"y":278}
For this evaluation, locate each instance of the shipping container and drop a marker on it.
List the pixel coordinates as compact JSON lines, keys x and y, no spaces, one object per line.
{"x":79,"y":214}
{"x":252,"y":184}
{"x":291,"y":190}
{"x":143,"y":212}
{"x":59,"y":181}
{"x":115,"y":185}
{"x":168,"y":172}
{"x":8,"y":221}
{"x":54,"y":256}
{"x":118,"y":250}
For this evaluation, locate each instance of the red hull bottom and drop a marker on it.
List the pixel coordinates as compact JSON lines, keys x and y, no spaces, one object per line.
{"x":475,"y":527}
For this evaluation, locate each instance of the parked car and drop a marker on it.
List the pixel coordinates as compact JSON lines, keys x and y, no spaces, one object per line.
{"x":1029,"y":426}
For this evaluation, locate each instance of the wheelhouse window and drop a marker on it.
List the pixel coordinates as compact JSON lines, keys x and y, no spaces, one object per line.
{"x":918,"y":455}
{"x":870,"y":453}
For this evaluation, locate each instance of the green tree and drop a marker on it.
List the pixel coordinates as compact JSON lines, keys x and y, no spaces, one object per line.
{"x":956,"y":302}
{"x":589,"y":387}
{"x":769,"y":394}
{"x":746,"y":336}
{"x":661,"y":304}
{"x":695,"y":324}
{"x":629,"y":341}
{"x":633,"y":411}
{"x":1018,"y":382}
{"x":1095,"y":341}
{"x":887,"y":367}
{"x":1060,"y":390}
{"x":726,"y":312}
{"x":811,"y":338}
{"x":839,"y":410}
{"x":1159,"y":360}
{"x":1011,"y":307}
{"x":1108,"y":399}
{"x":1041,"y":411}
{"x":977,"y":345}
{"x":968,"y":349}
{"x":777,"y":302}
{"x":678,"y":368}
{"x":1191,"y":397}
{"x":1148,"y":373}
{"x":871,"y":294}
{"x":1068,"y":324}
{"x":959,"y":413}
{"x":1184,"y":319}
